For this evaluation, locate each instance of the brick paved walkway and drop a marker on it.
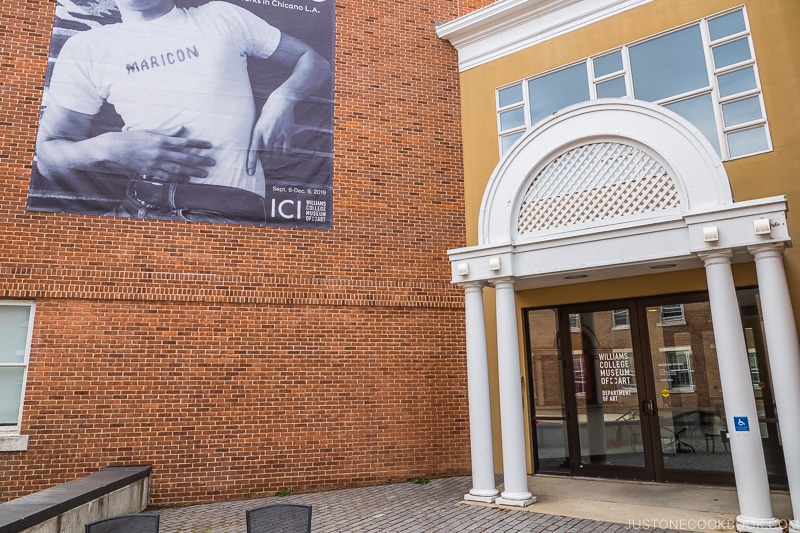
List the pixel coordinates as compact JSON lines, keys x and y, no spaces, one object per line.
{"x":400,"y":508}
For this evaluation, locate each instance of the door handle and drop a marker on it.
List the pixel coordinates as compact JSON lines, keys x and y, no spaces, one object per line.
{"x":648,"y":407}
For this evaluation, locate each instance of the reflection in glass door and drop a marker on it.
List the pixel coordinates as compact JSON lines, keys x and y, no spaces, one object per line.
{"x":547,"y":392}
{"x":585,"y":392}
{"x":606,"y":395}
{"x":691,"y":419}
{"x":631,"y":389}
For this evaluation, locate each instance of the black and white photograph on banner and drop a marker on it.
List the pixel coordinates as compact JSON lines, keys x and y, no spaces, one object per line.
{"x":196,"y":110}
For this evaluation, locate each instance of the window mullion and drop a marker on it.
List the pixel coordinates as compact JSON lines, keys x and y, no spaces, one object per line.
{"x":745,"y":125}
{"x":739,"y":96}
{"x":526,"y":103}
{"x":735,"y":66}
{"x":729,"y":38}
{"x":626,"y":67}
{"x":684,"y":96}
{"x":591,"y":80}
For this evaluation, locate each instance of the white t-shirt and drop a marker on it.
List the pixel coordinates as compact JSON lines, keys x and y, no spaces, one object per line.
{"x":187,"y":68}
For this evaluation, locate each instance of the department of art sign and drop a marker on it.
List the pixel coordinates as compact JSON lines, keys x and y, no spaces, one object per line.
{"x":198,"y":110}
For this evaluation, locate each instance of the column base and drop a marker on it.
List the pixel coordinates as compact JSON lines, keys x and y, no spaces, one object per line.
{"x":483,"y":499}
{"x":523,"y":499}
{"x":758,"y":525}
{"x":794,"y":526}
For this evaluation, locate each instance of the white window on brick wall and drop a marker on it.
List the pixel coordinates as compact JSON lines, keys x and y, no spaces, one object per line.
{"x":574,"y":322}
{"x":620,"y":319}
{"x":579,"y":368}
{"x":16,"y":327}
{"x":705,"y":71}
{"x":672,"y":314}
{"x":679,"y":370}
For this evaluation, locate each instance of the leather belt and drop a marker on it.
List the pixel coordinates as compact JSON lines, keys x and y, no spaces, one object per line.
{"x":226,"y":201}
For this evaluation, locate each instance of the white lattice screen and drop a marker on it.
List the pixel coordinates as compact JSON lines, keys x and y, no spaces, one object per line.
{"x":595,"y":182}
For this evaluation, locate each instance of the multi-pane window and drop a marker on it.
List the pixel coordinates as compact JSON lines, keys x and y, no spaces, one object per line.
{"x":679,"y":370}
{"x":755,"y":374}
{"x":705,"y":72}
{"x":579,"y":369}
{"x":512,"y":115}
{"x":672,"y":314}
{"x":16,"y":319}
{"x":620,"y":319}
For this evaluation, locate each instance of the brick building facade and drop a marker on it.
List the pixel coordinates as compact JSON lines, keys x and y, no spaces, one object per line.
{"x":607,"y":182}
{"x":238,"y":360}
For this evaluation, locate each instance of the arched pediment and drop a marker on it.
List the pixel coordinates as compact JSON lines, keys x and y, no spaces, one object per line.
{"x":601,"y":163}
{"x":593,"y":184}
{"x":607,"y":189}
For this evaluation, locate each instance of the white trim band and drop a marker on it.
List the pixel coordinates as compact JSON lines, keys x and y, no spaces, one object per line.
{"x":508,"y":26}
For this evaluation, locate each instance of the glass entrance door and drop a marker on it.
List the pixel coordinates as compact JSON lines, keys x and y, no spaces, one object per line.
{"x":689,"y":431}
{"x":629,"y":389}
{"x":608,"y":429}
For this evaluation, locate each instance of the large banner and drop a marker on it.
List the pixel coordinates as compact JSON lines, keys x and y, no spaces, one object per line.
{"x":199,"y":110}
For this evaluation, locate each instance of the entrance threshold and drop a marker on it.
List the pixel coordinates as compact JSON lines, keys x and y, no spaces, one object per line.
{"x":684,"y":507}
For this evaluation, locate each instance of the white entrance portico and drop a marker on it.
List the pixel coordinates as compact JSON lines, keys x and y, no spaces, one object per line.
{"x":612,"y":189}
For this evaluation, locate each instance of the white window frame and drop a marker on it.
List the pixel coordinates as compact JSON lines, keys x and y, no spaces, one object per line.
{"x":10,"y":437}
{"x":676,"y":320}
{"x":617,"y":320}
{"x":524,"y":103}
{"x":755,"y":373}
{"x":580,"y":373}
{"x":686,"y":352}
{"x":712,"y":89}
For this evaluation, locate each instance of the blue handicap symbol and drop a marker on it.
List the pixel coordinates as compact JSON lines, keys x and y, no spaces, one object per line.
{"x":741,"y":423}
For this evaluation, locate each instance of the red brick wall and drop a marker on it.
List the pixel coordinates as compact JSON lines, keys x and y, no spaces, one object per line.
{"x":239,"y":360}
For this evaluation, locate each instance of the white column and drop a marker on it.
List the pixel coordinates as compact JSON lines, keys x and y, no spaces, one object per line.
{"x":515,"y":470}
{"x":784,"y":361}
{"x":480,"y":411}
{"x":749,"y":467}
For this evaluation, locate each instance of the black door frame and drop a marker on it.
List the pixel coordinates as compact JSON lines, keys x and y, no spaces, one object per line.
{"x":653,"y":469}
{"x":577,"y":467}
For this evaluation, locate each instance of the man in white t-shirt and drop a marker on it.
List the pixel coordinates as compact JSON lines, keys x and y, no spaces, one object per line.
{"x":178,"y":79}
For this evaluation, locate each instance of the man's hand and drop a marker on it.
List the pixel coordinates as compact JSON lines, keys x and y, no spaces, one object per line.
{"x":160,"y":154}
{"x":273,"y":129}
{"x":64,"y":147}
{"x":276,"y":124}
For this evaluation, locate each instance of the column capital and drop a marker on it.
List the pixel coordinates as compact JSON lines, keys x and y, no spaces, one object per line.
{"x":472,"y":285}
{"x":766,"y":250}
{"x":503,"y":281}
{"x":716,"y":257}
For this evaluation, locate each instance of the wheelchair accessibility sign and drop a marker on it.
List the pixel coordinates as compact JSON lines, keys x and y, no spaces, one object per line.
{"x":740,"y":423}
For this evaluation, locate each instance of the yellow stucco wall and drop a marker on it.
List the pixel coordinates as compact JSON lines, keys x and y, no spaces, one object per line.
{"x":773,"y":25}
